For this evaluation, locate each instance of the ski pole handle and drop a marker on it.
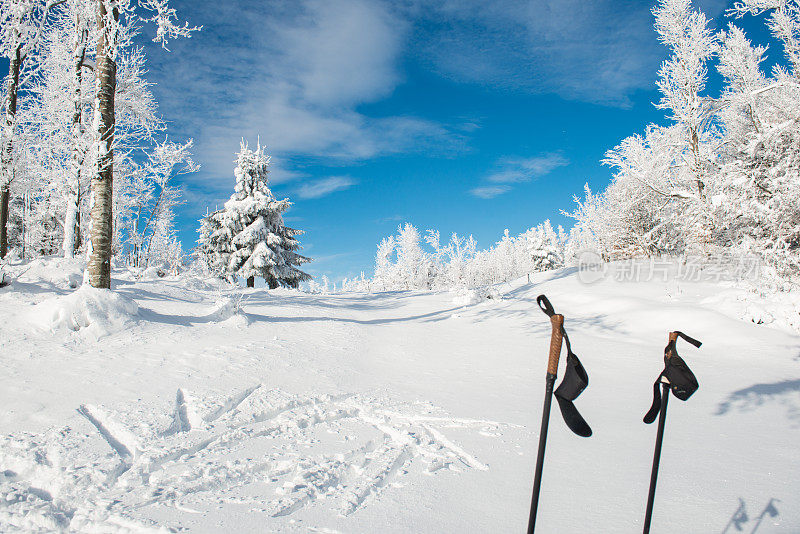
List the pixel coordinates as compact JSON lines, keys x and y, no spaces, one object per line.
{"x":673,"y":337}
{"x":557,"y":321}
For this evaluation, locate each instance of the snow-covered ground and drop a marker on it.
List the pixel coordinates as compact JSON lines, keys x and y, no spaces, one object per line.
{"x":174,"y":406}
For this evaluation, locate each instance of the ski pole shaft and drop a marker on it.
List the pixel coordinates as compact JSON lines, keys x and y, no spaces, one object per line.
{"x":662,"y":417}
{"x":556,"y":338}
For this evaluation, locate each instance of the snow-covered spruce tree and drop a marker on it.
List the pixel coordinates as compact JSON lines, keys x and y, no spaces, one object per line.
{"x":541,"y":248}
{"x":247,"y":237}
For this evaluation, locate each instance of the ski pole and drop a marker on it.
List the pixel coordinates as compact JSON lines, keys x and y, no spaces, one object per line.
{"x":678,"y":378}
{"x":556,"y":338}
{"x":662,"y":418}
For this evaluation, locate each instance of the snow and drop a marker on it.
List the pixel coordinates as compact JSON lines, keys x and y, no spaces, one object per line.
{"x":92,"y":313}
{"x":388,"y":412}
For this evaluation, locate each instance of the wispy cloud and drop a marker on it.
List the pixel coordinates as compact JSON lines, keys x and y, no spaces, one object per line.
{"x":599,"y":51}
{"x":489,"y":191}
{"x":324,"y":187}
{"x":511,"y":170}
{"x":279,"y":175}
{"x":391,"y":218}
{"x":296,"y":74}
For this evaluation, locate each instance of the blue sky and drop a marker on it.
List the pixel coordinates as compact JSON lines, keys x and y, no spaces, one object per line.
{"x":460,"y":115}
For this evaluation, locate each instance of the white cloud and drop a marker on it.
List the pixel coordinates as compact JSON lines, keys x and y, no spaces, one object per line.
{"x":296,"y":74}
{"x":512,"y":170}
{"x":599,"y":51}
{"x":341,"y":53}
{"x":279,"y":175}
{"x":489,"y":191}
{"x":391,"y":218}
{"x":324,"y":187}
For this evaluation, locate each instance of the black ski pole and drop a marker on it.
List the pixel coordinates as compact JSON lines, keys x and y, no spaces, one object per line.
{"x":679,"y":379}
{"x":662,"y":418}
{"x":556,"y":337}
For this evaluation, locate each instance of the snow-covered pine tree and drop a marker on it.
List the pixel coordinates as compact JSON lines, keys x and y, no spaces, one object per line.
{"x":247,"y":237}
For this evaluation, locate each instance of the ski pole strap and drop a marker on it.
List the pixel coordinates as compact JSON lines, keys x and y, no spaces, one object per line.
{"x":680,"y":378}
{"x":547,"y":308}
{"x":544,"y":304}
{"x":575,"y":377}
{"x":673,"y":337}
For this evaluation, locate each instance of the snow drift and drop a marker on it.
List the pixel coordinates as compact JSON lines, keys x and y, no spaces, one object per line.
{"x":93,"y":313}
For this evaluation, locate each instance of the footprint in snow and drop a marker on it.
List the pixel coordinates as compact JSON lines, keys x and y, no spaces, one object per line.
{"x":277,"y":452}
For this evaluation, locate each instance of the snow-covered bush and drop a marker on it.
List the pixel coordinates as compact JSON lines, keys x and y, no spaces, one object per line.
{"x":228,"y":309}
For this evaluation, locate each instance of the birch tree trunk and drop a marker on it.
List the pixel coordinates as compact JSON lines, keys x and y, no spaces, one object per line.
{"x":98,"y":269}
{"x":7,"y":156}
{"x":701,"y":235}
{"x":4,"y":198}
{"x":72,"y":221}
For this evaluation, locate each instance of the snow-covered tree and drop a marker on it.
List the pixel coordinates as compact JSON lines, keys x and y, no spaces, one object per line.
{"x":248,"y":237}
{"x":758,"y":205}
{"x":111,"y":16}
{"x":541,"y":248}
{"x":783,"y":22}
{"x":401,"y":263}
{"x":61,"y":149}
{"x":727,"y":171}
{"x":640,"y":210}
{"x":412,"y":264}
{"x":385,"y":273}
{"x":21,"y":25}
{"x":148,"y":214}
{"x":52,"y":116}
{"x":681,"y":79}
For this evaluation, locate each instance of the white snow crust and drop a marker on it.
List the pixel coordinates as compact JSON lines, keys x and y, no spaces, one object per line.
{"x":395,"y":412}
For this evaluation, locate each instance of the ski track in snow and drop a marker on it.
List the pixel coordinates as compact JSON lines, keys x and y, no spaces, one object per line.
{"x":275,"y":452}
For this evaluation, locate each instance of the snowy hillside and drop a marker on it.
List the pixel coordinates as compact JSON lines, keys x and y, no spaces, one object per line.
{"x":175,"y":406}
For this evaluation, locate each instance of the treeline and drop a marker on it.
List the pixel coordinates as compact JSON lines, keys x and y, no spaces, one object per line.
{"x":402,"y":262}
{"x":86,"y":166}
